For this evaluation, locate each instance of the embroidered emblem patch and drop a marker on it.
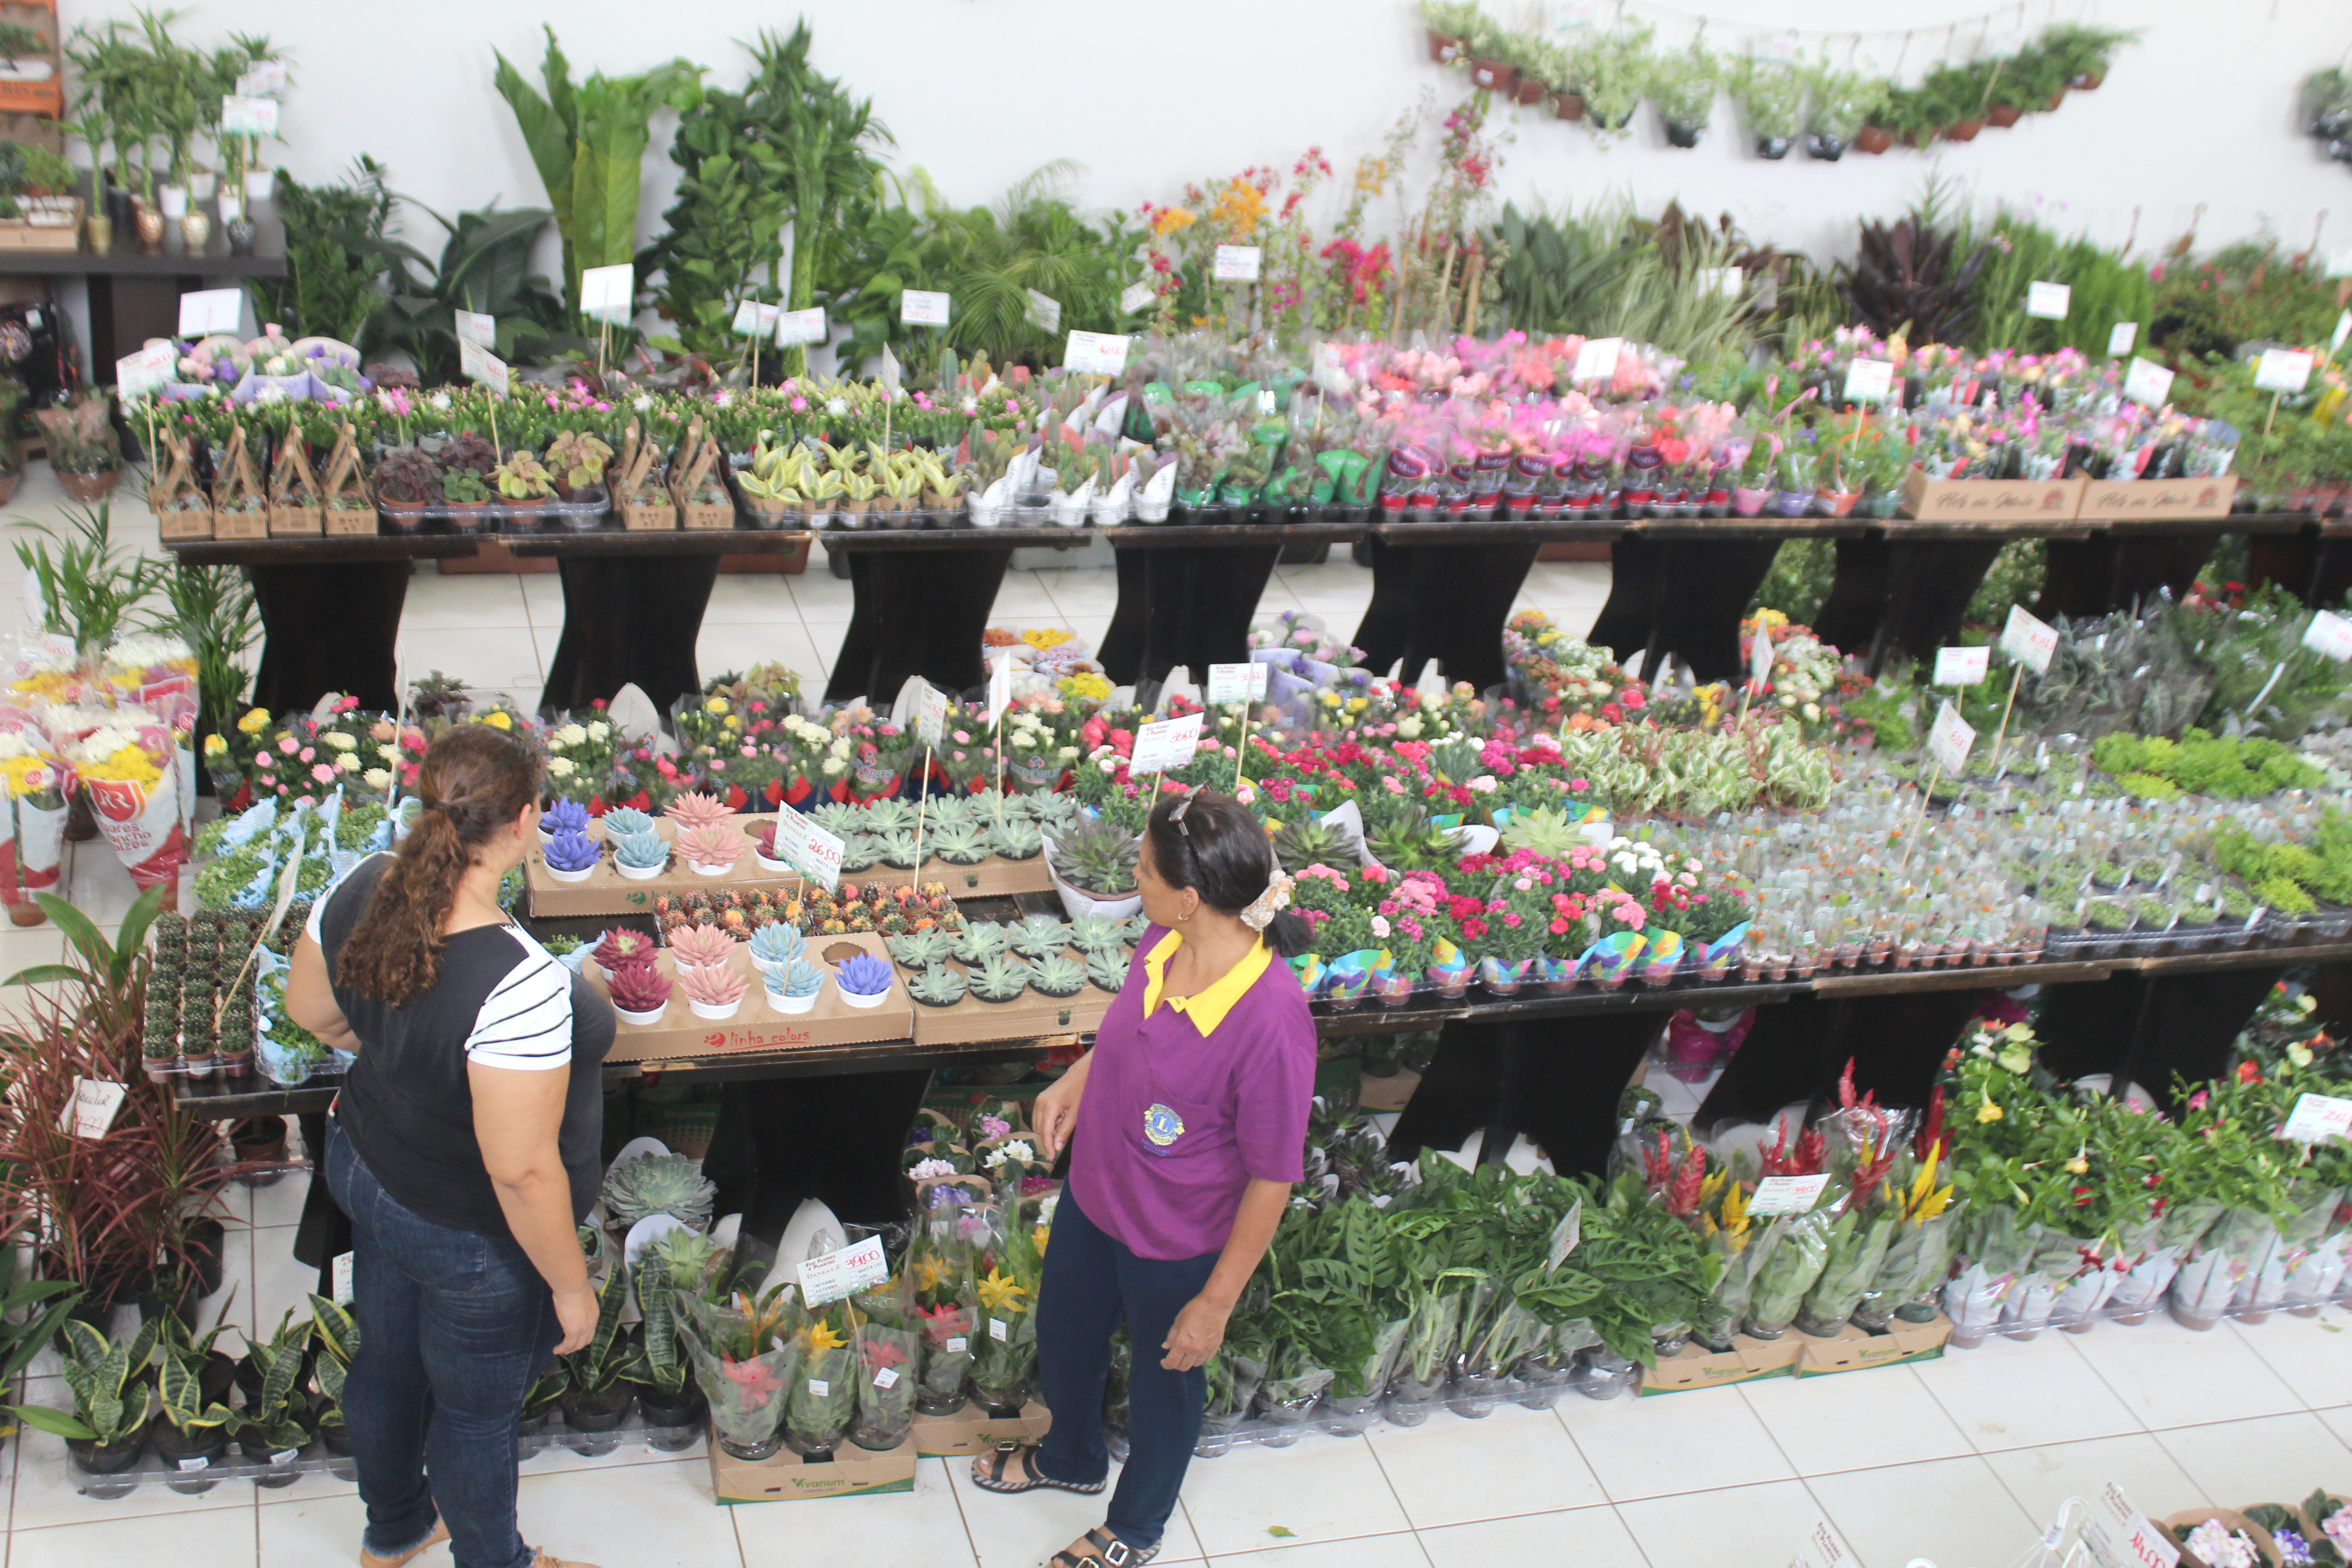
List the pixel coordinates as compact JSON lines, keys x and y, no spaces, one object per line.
{"x":1163,"y":1126}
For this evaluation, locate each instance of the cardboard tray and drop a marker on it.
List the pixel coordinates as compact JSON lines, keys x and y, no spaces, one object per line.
{"x":295,"y":523}
{"x":1029,"y":1014}
{"x":756,"y":1025}
{"x":182,"y":524}
{"x":974,"y":1430}
{"x":789,"y":1478}
{"x":1989,"y":500}
{"x":1747,"y":1360}
{"x":2158,"y":501}
{"x":1856,"y":1350}
{"x":607,"y":892}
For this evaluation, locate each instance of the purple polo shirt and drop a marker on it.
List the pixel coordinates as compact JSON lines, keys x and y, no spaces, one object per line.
{"x":1175,"y":1124}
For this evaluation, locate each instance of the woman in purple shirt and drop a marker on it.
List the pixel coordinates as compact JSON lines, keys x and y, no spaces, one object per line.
{"x":1186,"y":1122}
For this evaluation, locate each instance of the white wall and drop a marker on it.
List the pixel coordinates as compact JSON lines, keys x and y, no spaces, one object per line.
{"x":1150,"y":96}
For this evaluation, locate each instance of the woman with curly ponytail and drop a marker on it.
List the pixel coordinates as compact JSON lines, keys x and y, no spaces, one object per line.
{"x":465,"y":1147}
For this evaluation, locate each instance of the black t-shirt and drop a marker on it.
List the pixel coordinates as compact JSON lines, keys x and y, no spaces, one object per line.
{"x":500,"y":1000}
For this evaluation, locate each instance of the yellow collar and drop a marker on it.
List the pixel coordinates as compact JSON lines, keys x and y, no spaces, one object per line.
{"x":1209,"y":1008}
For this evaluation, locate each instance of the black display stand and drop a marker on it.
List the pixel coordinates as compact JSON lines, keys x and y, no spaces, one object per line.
{"x":628,"y":621}
{"x":1190,"y":605}
{"x":1446,"y":601}
{"x":328,"y":628}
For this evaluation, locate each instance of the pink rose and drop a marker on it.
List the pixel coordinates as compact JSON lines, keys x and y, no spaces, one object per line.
{"x":323,"y":774}
{"x":288,"y":744}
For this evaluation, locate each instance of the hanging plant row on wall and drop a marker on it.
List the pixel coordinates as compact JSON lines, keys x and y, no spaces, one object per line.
{"x":1602,"y":78}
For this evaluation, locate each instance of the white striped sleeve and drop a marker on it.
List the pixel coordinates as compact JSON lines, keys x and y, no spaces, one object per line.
{"x":525,"y":1022}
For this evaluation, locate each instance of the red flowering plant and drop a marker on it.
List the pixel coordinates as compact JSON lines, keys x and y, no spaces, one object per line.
{"x":1511,"y":921}
{"x":879,"y":752}
{"x":1566,"y":679}
{"x":1407,"y":914}
{"x":648,"y":779}
{"x":1701,"y":904}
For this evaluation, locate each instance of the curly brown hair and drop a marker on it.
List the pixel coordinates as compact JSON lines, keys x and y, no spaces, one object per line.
{"x":474,"y":781}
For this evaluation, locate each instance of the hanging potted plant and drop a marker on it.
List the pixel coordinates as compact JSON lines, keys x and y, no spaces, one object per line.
{"x":1842,"y":108}
{"x":1494,"y":66}
{"x":2081,"y":53}
{"x":1683,"y":86}
{"x":1772,"y":98}
{"x":1612,"y":73}
{"x":1446,"y":23}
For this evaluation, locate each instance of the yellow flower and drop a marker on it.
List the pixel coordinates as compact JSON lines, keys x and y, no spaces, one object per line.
{"x":927,"y":1273}
{"x":1038,"y":1237}
{"x":2299,"y":1055}
{"x":1238,"y":210}
{"x":1042,"y":637}
{"x":715,"y":705}
{"x":1086,"y":686}
{"x":999,"y":1294}
{"x":252,"y":722}
{"x":733,"y":723}
{"x":821,"y":1337}
{"x":2077,"y":1166}
{"x":1169,"y":220}
{"x":498,"y":719}
{"x":1989,"y":1111}
{"x":216,"y":745}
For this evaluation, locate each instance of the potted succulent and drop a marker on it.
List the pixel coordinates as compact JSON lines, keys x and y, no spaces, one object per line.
{"x":79,"y":435}
{"x":640,"y":994}
{"x":863,"y":980}
{"x":522,"y":480}
{"x":577,"y":460}
{"x":194,"y":1430}
{"x":794,"y":989}
{"x":275,"y":1424}
{"x":112,"y":1396}
{"x":713,"y":994}
{"x":338,"y":1334}
{"x":598,"y":1391}
{"x":667,"y":1397}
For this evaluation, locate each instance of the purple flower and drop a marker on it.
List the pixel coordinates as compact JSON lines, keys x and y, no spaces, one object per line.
{"x":571,"y":852}
{"x":864,"y":975}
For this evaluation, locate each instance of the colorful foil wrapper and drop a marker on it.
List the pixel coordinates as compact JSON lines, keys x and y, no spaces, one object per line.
{"x":1717,"y":957}
{"x":1610,"y":959}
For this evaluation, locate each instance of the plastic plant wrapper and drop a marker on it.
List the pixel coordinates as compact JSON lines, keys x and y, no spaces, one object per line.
{"x":1422,"y":1362}
{"x":824,"y":1390}
{"x":2065,"y":1281}
{"x":746,"y":1352}
{"x":1006,"y":1268}
{"x":155,"y":672}
{"x":2162,"y":1244}
{"x":1857,"y":1243}
{"x":1995,"y":1248}
{"x":130,"y":770}
{"x":2317,"y":1271}
{"x":46,"y":670}
{"x":40,"y":789}
{"x":1792,"y":1253}
{"x":889,"y":1348}
{"x":2234,"y":1253}
{"x":1723,"y":1224}
{"x":1919,"y":1258}
{"x":2299,"y":1232}
{"x":1234,"y":1373}
{"x":1291,"y":1387}
{"x":939,"y":1271}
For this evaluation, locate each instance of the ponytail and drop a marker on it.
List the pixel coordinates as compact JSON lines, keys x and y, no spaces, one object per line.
{"x":474,"y":782}
{"x":1217,"y":849}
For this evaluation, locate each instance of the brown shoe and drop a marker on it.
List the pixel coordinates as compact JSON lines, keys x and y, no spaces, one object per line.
{"x":370,"y":1560}
{"x":547,"y":1559}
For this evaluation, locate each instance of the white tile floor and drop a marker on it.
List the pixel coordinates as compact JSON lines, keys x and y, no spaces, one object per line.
{"x":1958,"y":1460}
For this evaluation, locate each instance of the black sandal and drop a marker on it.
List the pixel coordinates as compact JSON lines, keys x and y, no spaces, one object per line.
{"x":994,"y":1481}
{"x":1098,"y":1548}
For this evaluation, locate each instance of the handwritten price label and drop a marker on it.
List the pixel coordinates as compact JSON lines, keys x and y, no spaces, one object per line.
{"x":810,"y":849}
{"x":2330,"y":633}
{"x":1949,"y":741}
{"x":2283,"y":370}
{"x":608,"y":293}
{"x":1044,"y":312}
{"x":2049,"y":301}
{"x":476,"y":327}
{"x":137,"y":374}
{"x":2029,"y":640}
{"x":478,"y":364}
{"x":2120,"y":1536}
{"x":209,"y":311}
{"x":1787,"y":1194}
{"x":92,"y":1110}
{"x":1137,"y":295}
{"x":1235,"y":683}
{"x":2148,"y":384}
{"x":1869,"y":380}
{"x":1170,"y":744}
{"x":802,"y":327}
{"x":1597,"y":359}
{"x":753,"y":319}
{"x":838,"y":1274}
{"x":1961,"y":665}
{"x":2122,"y":338}
{"x":1096,"y":354}
{"x":1237,"y":263}
{"x":923,"y":308}
{"x":2317,"y":1117}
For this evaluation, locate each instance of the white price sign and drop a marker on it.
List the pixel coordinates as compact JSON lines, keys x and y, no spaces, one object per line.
{"x":1823,"y":1549}
{"x":263,"y":78}
{"x":838,"y":1274}
{"x":2029,"y":640}
{"x":2318,"y":1116}
{"x":2120,"y":1536}
{"x":1728,"y":281}
{"x":2330,"y":633}
{"x":92,"y":1110}
{"x":211,"y":310}
{"x":1137,"y":295}
{"x":2122,"y":338}
{"x":999,"y":687}
{"x":474,"y":327}
{"x":2048,"y":301}
{"x":1949,"y":739}
{"x":1235,"y":683}
{"x":1759,"y":656}
{"x":137,"y":374}
{"x":478,"y":364}
{"x":813,"y":851}
{"x":930,"y":715}
{"x":923,"y":308}
{"x":249,"y":116}
{"x":2343,"y":330}
{"x":2148,"y":383}
{"x":608,"y":293}
{"x":1961,"y":665}
{"x":1565,"y":1236}
{"x":801,"y":326}
{"x":1868,"y":380}
{"x":1787,"y":1194}
{"x":1094,"y":353}
{"x":2283,"y":370}
{"x":1044,"y":312}
{"x":1597,"y":359}
{"x":753,"y":319}
{"x":1170,"y":744}
{"x":339,"y":1279}
{"x":1236,"y":263}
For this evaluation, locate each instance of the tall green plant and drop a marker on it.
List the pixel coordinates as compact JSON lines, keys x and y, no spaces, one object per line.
{"x":726,"y":228}
{"x":588,"y":142}
{"x":334,"y":244}
{"x":213,"y":609}
{"x":484,"y":266}
{"x":88,"y":589}
{"x":825,"y":142}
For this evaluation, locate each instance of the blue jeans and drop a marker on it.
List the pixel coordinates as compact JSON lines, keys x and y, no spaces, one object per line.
{"x":1091,"y":1282}
{"x":454,"y":1329}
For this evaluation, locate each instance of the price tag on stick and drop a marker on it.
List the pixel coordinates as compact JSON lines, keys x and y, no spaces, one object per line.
{"x":1044,"y":312}
{"x":137,"y":375}
{"x":1597,"y":359}
{"x":753,"y":319}
{"x":2283,"y":370}
{"x":608,"y":293}
{"x":2318,"y":1116}
{"x":477,"y":328}
{"x":2148,"y":383}
{"x":801,"y":326}
{"x":2048,"y":301}
{"x":2122,"y":338}
{"x":1961,"y":665}
{"x":248,"y":116}
{"x":1235,"y":683}
{"x":2119,"y":1536}
{"x":2029,"y":640}
{"x":1869,"y":380}
{"x":838,"y":1274}
{"x":1170,"y":744}
{"x":1236,"y":263}
{"x":923,"y":308}
{"x":92,"y":1110}
{"x":211,"y":310}
{"x":1137,"y":295}
{"x":1096,"y":354}
{"x":2330,"y":633}
{"x":1949,"y":739}
{"x":479,"y":363}
{"x":810,"y":850}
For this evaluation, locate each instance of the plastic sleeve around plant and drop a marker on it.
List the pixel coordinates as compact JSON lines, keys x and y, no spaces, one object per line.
{"x":1796,"y":1249}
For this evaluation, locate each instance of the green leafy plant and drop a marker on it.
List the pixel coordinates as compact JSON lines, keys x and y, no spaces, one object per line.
{"x":338,"y":1333}
{"x":484,"y":266}
{"x":213,"y":609}
{"x":272,"y":1419}
{"x":88,"y":590}
{"x":110,"y":1392}
{"x":335,"y":242}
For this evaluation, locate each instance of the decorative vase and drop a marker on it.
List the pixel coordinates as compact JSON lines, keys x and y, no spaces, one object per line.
{"x":196,"y":229}
{"x":150,"y":227}
{"x":100,"y":230}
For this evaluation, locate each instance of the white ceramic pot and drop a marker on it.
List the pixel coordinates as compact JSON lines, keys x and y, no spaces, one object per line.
{"x":258,"y":182}
{"x":640,"y":873}
{"x":702,"y":870}
{"x":783,"y":1004}
{"x":713,"y":1012}
{"x":775,"y":868}
{"x":874,"y":1001}
{"x":231,"y":206}
{"x":560,"y":875}
{"x":201,"y":185}
{"x":643,"y":1020}
{"x":174,"y":200}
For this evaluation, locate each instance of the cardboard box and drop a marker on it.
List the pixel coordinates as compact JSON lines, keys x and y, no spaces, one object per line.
{"x":183,"y":523}
{"x":2160,"y":500}
{"x":1855,"y":1349}
{"x":240,"y":524}
{"x":350,"y":521}
{"x":295,"y":523}
{"x":662,"y":515}
{"x":1031,"y":1013}
{"x":757,"y":1025}
{"x":1747,"y":1360}
{"x":974,"y":1430}
{"x":1989,"y":500}
{"x":790,"y":1478}
{"x":607,"y":892}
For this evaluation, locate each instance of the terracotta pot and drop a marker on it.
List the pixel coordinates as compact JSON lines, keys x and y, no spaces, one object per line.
{"x":1444,"y":50}
{"x":1493,"y":76}
{"x":2001,"y":116}
{"x":2057,"y":98}
{"x":87,"y":488}
{"x":1531,"y":90}
{"x":1568,"y":106}
{"x":1872,"y":140}
{"x":1963,"y":130}
{"x":2087,"y":83}
{"x":402,"y":516}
